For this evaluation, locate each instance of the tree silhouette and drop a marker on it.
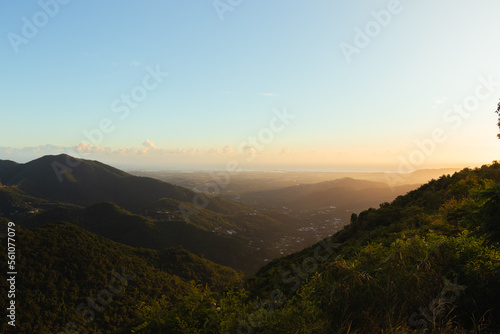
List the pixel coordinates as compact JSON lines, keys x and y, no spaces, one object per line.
{"x":498,"y":112}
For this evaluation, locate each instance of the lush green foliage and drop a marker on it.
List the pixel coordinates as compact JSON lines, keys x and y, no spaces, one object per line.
{"x":427,"y":261}
{"x":61,"y":265}
{"x":113,"y":222}
{"x":148,"y":213}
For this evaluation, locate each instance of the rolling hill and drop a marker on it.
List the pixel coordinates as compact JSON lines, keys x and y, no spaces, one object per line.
{"x":136,"y":211}
{"x":429,"y":261}
{"x":91,"y":182}
{"x":61,"y":267}
{"x":346,"y":193}
{"x":113,"y":222}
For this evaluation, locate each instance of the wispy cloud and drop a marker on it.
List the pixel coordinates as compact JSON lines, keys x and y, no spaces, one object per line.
{"x":149,"y":144}
{"x":135,"y":63}
{"x":85,"y":149}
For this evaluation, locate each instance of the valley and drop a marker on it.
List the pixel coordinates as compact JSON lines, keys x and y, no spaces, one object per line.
{"x":142,"y":211}
{"x":232,"y":248}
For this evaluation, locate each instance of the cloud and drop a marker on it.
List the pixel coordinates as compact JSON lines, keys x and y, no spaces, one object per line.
{"x":148,"y":150}
{"x":249,"y":149}
{"x":135,"y":63}
{"x":83,"y":147}
{"x":228,"y":149}
{"x":149,"y":144}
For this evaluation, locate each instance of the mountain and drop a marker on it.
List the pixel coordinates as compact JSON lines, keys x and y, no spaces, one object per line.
{"x":16,"y":204}
{"x":87,"y":183}
{"x":190,"y":267}
{"x":165,"y":230}
{"x":6,"y":164}
{"x":346,"y":193}
{"x":429,"y":261}
{"x":243,"y":182}
{"x":143,"y":212}
{"x":65,"y":272}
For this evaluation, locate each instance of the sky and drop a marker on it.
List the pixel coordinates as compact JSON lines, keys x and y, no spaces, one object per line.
{"x":285,"y":84}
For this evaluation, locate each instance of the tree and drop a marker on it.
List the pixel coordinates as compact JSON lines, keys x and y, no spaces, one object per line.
{"x":498,"y":112}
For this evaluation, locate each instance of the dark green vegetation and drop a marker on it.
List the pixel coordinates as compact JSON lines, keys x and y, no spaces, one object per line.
{"x":498,"y":123}
{"x":61,"y":265}
{"x":88,"y":183}
{"x":138,"y":211}
{"x":427,"y":261}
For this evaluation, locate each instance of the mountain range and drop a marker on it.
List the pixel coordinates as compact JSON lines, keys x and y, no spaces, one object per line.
{"x":345,"y":194}
{"x":395,"y":267}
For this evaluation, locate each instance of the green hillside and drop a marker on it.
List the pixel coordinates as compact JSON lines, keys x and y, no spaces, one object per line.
{"x":89,"y":182}
{"x":148,"y":213}
{"x":163,"y":230}
{"x":18,"y":205}
{"x":428,"y":261}
{"x":61,"y":265}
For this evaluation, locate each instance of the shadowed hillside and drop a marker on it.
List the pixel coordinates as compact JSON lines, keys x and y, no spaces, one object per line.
{"x":61,"y":265}
{"x":428,"y":261}
{"x":346,"y":193}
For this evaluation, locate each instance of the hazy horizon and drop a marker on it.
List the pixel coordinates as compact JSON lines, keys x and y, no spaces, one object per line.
{"x":360,"y":86}
{"x":145,"y":166}
{"x":250,"y":166}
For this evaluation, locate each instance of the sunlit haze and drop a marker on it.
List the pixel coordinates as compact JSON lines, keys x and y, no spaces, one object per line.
{"x":329,"y":85}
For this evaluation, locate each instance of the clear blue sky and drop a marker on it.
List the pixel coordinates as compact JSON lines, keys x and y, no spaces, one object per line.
{"x":226,"y":76}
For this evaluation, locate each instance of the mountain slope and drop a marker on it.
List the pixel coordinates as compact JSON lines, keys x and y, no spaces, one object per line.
{"x":16,"y":205}
{"x":428,"y":261}
{"x":6,"y":165}
{"x":223,"y":231}
{"x":433,"y":234}
{"x":113,"y":222}
{"x":61,"y":265}
{"x":88,"y":183}
{"x":345,"y":193}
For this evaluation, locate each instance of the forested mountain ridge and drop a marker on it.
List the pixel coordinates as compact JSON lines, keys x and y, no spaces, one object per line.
{"x":428,"y":261}
{"x":89,"y":182}
{"x":345,"y":193}
{"x":69,"y":278}
{"x":136,"y":211}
